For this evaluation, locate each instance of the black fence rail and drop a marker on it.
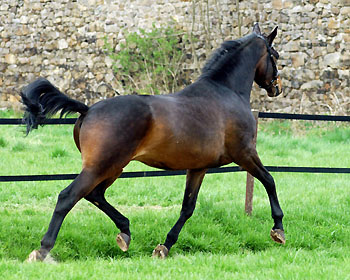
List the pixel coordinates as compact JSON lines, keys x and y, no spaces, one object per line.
{"x":143,"y":174}
{"x":48,"y":121}
{"x":262,"y":115}
{"x":306,"y":117}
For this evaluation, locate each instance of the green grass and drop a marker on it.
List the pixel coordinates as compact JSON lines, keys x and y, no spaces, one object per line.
{"x":3,"y":143}
{"x":58,"y":152}
{"x":218,"y":242}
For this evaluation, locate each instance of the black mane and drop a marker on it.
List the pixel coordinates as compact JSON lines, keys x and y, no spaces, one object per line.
{"x":224,"y":54}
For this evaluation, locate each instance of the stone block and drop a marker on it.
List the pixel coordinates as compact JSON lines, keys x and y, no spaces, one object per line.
{"x":308,"y":74}
{"x":333,"y":23}
{"x":62,"y":44}
{"x":346,"y":37}
{"x":298,"y":59}
{"x":292,"y":46}
{"x":277,"y":4}
{"x":287,"y":4}
{"x":344,"y":74}
{"x":10,"y":58}
{"x":332,"y":60}
{"x":345,"y":10}
{"x":311,"y":85}
{"x":335,"y":10}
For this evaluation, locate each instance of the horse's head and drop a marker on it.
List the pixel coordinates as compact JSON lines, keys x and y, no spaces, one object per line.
{"x":266,"y":75}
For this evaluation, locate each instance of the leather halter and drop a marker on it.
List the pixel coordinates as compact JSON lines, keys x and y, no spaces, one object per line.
{"x":274,"y":83}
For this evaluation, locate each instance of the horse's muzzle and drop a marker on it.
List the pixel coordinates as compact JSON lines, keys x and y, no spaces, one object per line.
{"x":276,"y":88}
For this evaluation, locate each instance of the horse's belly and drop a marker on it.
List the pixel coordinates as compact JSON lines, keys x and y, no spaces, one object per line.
{"x":181,"y":145}
{"x":178,"y":158}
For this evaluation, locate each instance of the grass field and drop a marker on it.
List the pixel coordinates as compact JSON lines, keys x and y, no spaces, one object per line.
{"x":218,"y":242}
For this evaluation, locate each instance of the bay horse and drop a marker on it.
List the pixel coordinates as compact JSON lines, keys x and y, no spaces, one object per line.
{"x":207,"y":124}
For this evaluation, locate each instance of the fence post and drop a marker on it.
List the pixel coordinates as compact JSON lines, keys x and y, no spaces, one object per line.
{"x":250,"y":179}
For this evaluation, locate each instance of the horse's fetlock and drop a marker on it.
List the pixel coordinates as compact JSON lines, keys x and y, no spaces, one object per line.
{"x":126,"y":227}
{"x":45,"y":248}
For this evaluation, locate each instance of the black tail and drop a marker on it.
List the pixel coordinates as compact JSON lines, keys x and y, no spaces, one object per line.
{"x":42,"y":99}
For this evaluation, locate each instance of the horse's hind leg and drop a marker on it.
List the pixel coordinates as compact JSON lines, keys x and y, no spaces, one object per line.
{"x":67,"y":198}
{"x":97,"y":197}
{"x":193,"y":182}
{"x":250,"y":161}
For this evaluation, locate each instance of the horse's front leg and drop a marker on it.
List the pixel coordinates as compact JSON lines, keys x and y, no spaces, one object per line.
{"x":193,"y":182}
{"x":250,"y":161}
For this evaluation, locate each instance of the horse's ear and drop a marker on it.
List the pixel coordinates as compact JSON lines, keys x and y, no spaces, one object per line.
{"x":272,"y":36}
{"x":256,"y":29}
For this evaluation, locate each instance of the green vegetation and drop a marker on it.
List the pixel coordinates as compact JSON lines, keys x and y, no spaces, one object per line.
{"x":58,"y":152}
{"x":218,"y":242}
{"x":2,"y":142}
{"x":148,"y":61}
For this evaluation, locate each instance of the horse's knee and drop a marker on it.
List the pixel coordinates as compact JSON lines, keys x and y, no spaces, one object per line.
{"x":63,"y":194}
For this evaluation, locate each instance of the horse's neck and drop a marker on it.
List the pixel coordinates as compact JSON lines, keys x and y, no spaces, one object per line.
{"x":240,"y":79}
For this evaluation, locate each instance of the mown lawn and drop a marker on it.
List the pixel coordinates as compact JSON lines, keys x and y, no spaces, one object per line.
{"x":218,"y":242}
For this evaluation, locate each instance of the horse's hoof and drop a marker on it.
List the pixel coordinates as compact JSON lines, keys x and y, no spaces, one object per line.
{"x":277,"y":235}
{"x":35,"y":256}
{"x":123,"y":241}
{"x":160,"y":252}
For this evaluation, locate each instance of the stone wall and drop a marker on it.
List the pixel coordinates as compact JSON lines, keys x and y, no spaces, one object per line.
{"x":63,"y":41}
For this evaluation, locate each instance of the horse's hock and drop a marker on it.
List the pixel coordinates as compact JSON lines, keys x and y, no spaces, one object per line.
{"x":63,"y":40}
